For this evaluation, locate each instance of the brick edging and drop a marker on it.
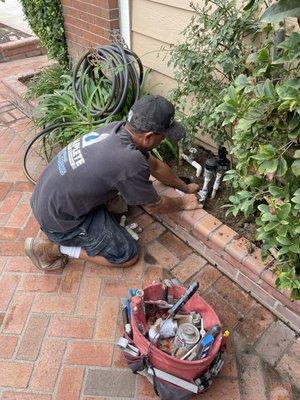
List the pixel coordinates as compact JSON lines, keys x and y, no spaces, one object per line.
{"x":234,"y":256}
{"x":16,"y":89}
{"x":18,"y":49}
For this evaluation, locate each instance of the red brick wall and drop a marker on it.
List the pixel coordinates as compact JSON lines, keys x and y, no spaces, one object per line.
{"x":23,"y":48}
{"x":88,"y":23}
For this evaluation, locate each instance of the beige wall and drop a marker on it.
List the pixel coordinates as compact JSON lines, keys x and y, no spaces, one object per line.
{"x":155,"y":25}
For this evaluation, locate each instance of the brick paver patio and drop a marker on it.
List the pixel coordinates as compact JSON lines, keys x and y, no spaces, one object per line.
{"x":58,"y":330}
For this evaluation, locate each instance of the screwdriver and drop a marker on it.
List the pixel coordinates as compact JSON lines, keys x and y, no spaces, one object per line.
{"x":190,"y":291}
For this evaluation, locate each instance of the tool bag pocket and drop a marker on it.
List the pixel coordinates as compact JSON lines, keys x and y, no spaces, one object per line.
{"x":169,"y":391}
{"x":135,"y":363}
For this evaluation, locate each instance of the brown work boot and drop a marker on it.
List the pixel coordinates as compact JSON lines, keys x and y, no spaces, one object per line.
{"x":44,"y":254}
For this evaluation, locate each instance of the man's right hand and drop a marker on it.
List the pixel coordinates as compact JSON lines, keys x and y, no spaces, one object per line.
{"x":190,"y":202}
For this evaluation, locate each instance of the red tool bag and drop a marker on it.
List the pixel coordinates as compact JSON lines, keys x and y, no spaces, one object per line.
{"x":199,"y":372}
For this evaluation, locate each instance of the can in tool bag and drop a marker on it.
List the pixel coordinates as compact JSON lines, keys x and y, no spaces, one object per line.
{"x":186,"y":337}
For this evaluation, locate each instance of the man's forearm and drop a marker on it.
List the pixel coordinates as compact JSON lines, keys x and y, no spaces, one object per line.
{"x":165,"y":205}
{"x":165,"y":175}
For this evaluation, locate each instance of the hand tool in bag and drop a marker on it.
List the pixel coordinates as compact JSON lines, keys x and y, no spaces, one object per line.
{"x":202,"y":330}
{"x":190,"y":291}
{"x":205,"y":344}
{"x":125,"y":345}
{"x":138,"y":309}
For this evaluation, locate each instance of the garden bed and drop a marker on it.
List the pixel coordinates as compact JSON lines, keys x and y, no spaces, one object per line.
{"x":243,"y":226}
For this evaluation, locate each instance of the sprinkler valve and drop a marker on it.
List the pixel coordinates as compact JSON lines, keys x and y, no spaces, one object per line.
{"x":210,"y":167}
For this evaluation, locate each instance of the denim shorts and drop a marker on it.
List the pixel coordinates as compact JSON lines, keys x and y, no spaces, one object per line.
{"x":99,"y":235}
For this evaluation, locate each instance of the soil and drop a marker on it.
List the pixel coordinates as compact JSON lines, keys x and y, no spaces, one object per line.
{"x":26,"y":79}
{"x":243,"y":226}
{"x":8,"y":34}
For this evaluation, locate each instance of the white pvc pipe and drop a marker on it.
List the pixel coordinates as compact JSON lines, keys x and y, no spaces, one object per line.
{"x":193,"y":163}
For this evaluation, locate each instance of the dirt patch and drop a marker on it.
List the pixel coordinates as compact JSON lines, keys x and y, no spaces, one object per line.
{"x":243,"y":226}
{"x":8,"y":34}
{"x":27,"y":79}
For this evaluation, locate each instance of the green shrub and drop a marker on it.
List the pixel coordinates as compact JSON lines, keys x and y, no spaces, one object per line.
{"x":213,"y":54}
{"x":46,"y":21}
{"x":263,"y":112}
{"x":46,"y":82}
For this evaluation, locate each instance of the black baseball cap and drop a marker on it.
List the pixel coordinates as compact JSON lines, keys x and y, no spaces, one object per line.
{"x":156,"y":114}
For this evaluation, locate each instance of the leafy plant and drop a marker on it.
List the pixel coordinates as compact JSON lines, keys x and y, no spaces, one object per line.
{"x":213,"y":54}
{"x":46,"y":82}
{"x":60,"y":107}
{"x":263,"y":112}
{"x":167,"y":151}
{"x":46,"y":21}
{"x":280,"y":10}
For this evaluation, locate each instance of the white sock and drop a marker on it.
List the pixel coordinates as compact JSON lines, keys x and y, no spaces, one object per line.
{"x":73,"y":252}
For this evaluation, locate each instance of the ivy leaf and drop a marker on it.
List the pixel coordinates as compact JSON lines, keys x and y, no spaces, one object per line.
{"x":296,"y":167}
{"x":280,"y":10}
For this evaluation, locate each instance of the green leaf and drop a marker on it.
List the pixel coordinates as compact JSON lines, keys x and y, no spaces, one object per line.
{"x":283,"y":251}
{"x":263,"y":208}
{"x":271,"y":225}
{"x":297,"y":154}
{"x":249,"y":5}
{"x":297,"y":229}
{"x":276,"y":191}
{"x":280,"y":10}
{"x":296,"y":167}
{"x":268,"y":166}
{"x":282,"y":230}
{"x":283,"y":240}
{"x":287,"y":92}
{"x":253,"y":181}
{"x":283,"y":211}
{"x":282,"y":167}
{"x":241,"y":81}
{"x":263,"y":55}
{"x":268,"y":217}
{"x":295,"y":248}
{"x":296,"y":199}
{"x":269,"y":90}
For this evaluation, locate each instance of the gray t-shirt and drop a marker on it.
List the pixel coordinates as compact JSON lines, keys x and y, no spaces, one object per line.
{"x":87,"y":173}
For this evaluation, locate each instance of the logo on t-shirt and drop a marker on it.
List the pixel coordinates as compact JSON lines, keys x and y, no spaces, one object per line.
{"x":92,"y":138}
{"x":74,"y":154}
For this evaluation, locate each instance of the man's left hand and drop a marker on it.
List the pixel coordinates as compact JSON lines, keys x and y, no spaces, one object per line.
{"x":192,"y":188}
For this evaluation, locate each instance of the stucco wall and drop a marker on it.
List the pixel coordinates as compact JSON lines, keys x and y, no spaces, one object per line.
{"x":156,"y":24}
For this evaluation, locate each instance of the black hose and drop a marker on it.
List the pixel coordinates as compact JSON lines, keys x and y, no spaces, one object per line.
{"x":125,"y":79}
